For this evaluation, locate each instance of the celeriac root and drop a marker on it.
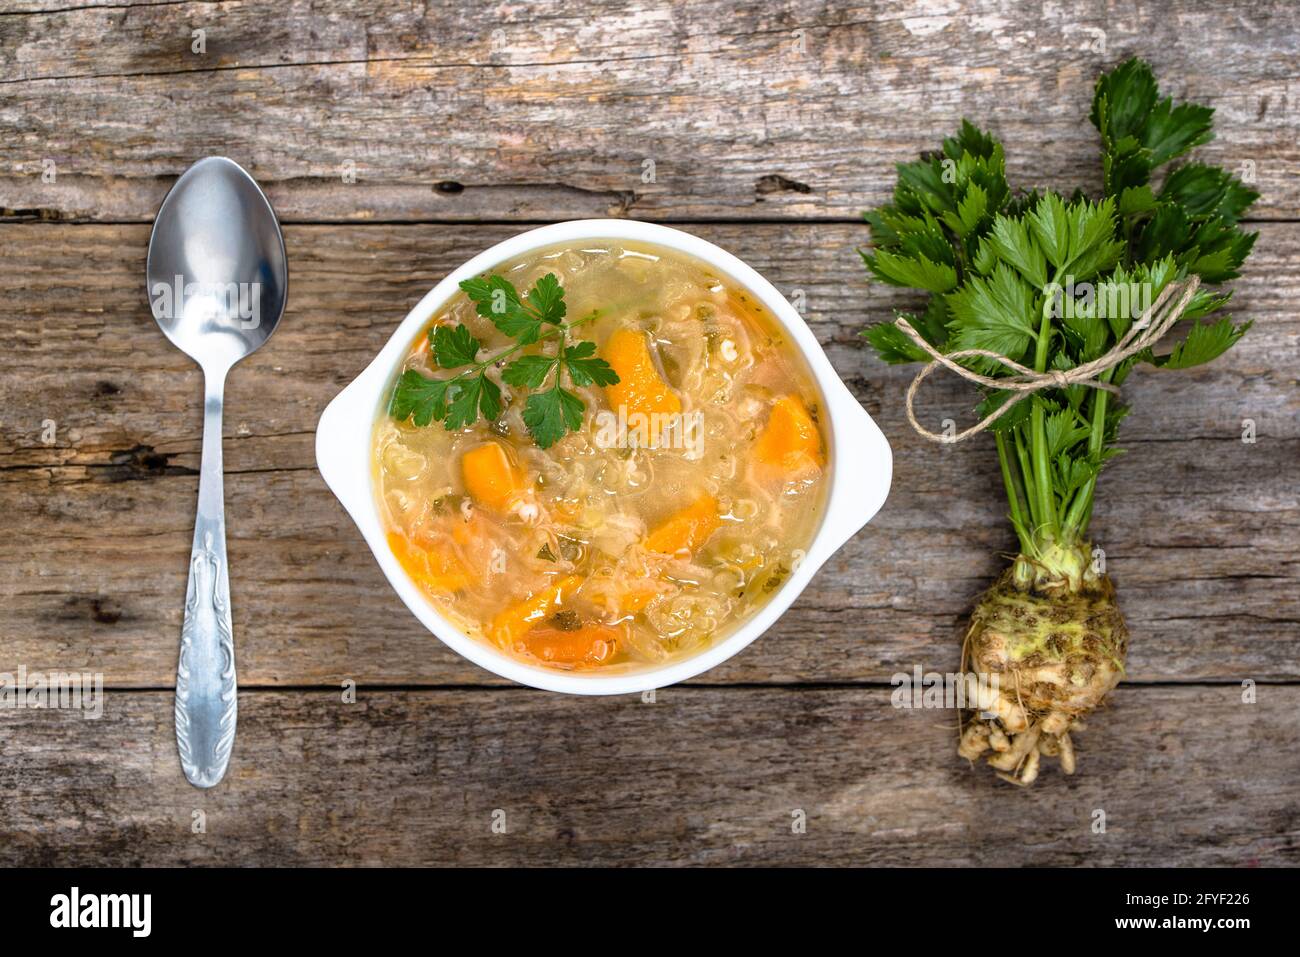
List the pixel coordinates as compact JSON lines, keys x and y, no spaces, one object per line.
{"x":1016,"y":759}
{"x":1047,"y":650}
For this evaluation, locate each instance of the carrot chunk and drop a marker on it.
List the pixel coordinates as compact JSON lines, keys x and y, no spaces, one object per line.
{"x":688,"y":529}
{"x":640,"y":390}
{"x":790,"y":440}
{"x":513,"y":623}
{"x":492,"y":476}
{"x":587,"y":645}
{"x":623,"y":597}
{"x":435,"y":569}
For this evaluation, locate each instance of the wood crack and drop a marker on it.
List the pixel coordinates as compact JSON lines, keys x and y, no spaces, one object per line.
{"x":422,"y":61}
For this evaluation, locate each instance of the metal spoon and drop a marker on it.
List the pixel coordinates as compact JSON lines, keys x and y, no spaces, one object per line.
{"x":217,"y":283}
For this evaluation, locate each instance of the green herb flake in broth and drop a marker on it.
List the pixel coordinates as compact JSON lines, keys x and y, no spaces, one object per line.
{"x":775,"y":578}
{"x":566,"y":620}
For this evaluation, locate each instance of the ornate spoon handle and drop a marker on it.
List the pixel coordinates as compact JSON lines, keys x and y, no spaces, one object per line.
{"x":206,"y":703}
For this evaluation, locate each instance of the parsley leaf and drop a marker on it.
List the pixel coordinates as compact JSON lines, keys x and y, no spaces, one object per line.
{"x":1205,"y":191}
{"x":551,"y":414}
{"x":459,"y":401}
{"x":419,"y":398}
{"x":495,"y":298}
{"x":915,"y":270}
{"x":1011,"y":242}
{"x":453,"y":347}
{"x":1206,"y":341}
{"x":492,"y":295}
{"x":547,"y":297}
{"x":997,"y":313}
{"x":585,"y":368}
{"x":529,"y":372}
{"x":469,"y":397}
{"x":893,"y":345}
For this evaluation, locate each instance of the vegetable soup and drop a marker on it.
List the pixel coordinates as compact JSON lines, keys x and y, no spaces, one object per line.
{"x":603,"y":455}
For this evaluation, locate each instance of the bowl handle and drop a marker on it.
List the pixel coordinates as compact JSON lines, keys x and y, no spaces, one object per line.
{"x":343,"y":447}
{"x":863,"y":470}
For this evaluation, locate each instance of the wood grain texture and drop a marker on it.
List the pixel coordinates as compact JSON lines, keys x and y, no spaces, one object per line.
{"x":468,"y":111}
{"x":701,"y":776}
{"x":770,"y":125}
{"x":1201,"y":531}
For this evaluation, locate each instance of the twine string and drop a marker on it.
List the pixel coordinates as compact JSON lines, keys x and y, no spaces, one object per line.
{"x":1151,"y":326}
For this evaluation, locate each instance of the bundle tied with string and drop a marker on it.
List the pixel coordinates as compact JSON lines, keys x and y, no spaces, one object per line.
{"x":1151,"y":326}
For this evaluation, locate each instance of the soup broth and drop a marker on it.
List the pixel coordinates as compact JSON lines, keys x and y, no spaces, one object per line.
{"x":670,"y":517}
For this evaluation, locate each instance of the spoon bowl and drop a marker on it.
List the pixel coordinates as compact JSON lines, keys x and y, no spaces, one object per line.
{"x":217,"y":280}
{"x":217,"y":271}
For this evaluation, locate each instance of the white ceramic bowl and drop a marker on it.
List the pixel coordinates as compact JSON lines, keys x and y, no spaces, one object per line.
{"x":859,"y":463}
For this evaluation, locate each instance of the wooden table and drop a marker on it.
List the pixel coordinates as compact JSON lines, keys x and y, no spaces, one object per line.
{"x":398,"y":139}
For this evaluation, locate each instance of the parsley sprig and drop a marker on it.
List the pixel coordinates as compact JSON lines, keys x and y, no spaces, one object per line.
{"x":536,"y":318}
{"x":1016,"y":275}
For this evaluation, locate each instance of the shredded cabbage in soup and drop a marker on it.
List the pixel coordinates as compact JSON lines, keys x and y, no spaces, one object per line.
{"x":680,"y":507}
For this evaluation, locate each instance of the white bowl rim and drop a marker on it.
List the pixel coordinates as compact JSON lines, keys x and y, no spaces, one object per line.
{"x":859,"y":467}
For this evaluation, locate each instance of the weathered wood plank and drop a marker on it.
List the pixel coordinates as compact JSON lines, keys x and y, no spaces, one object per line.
{"x":701,"y":776}
{"x":466,"y":111}
{"x":93,"y":573}
{"x":1201,"y":530}
{"x":79,"y":292}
